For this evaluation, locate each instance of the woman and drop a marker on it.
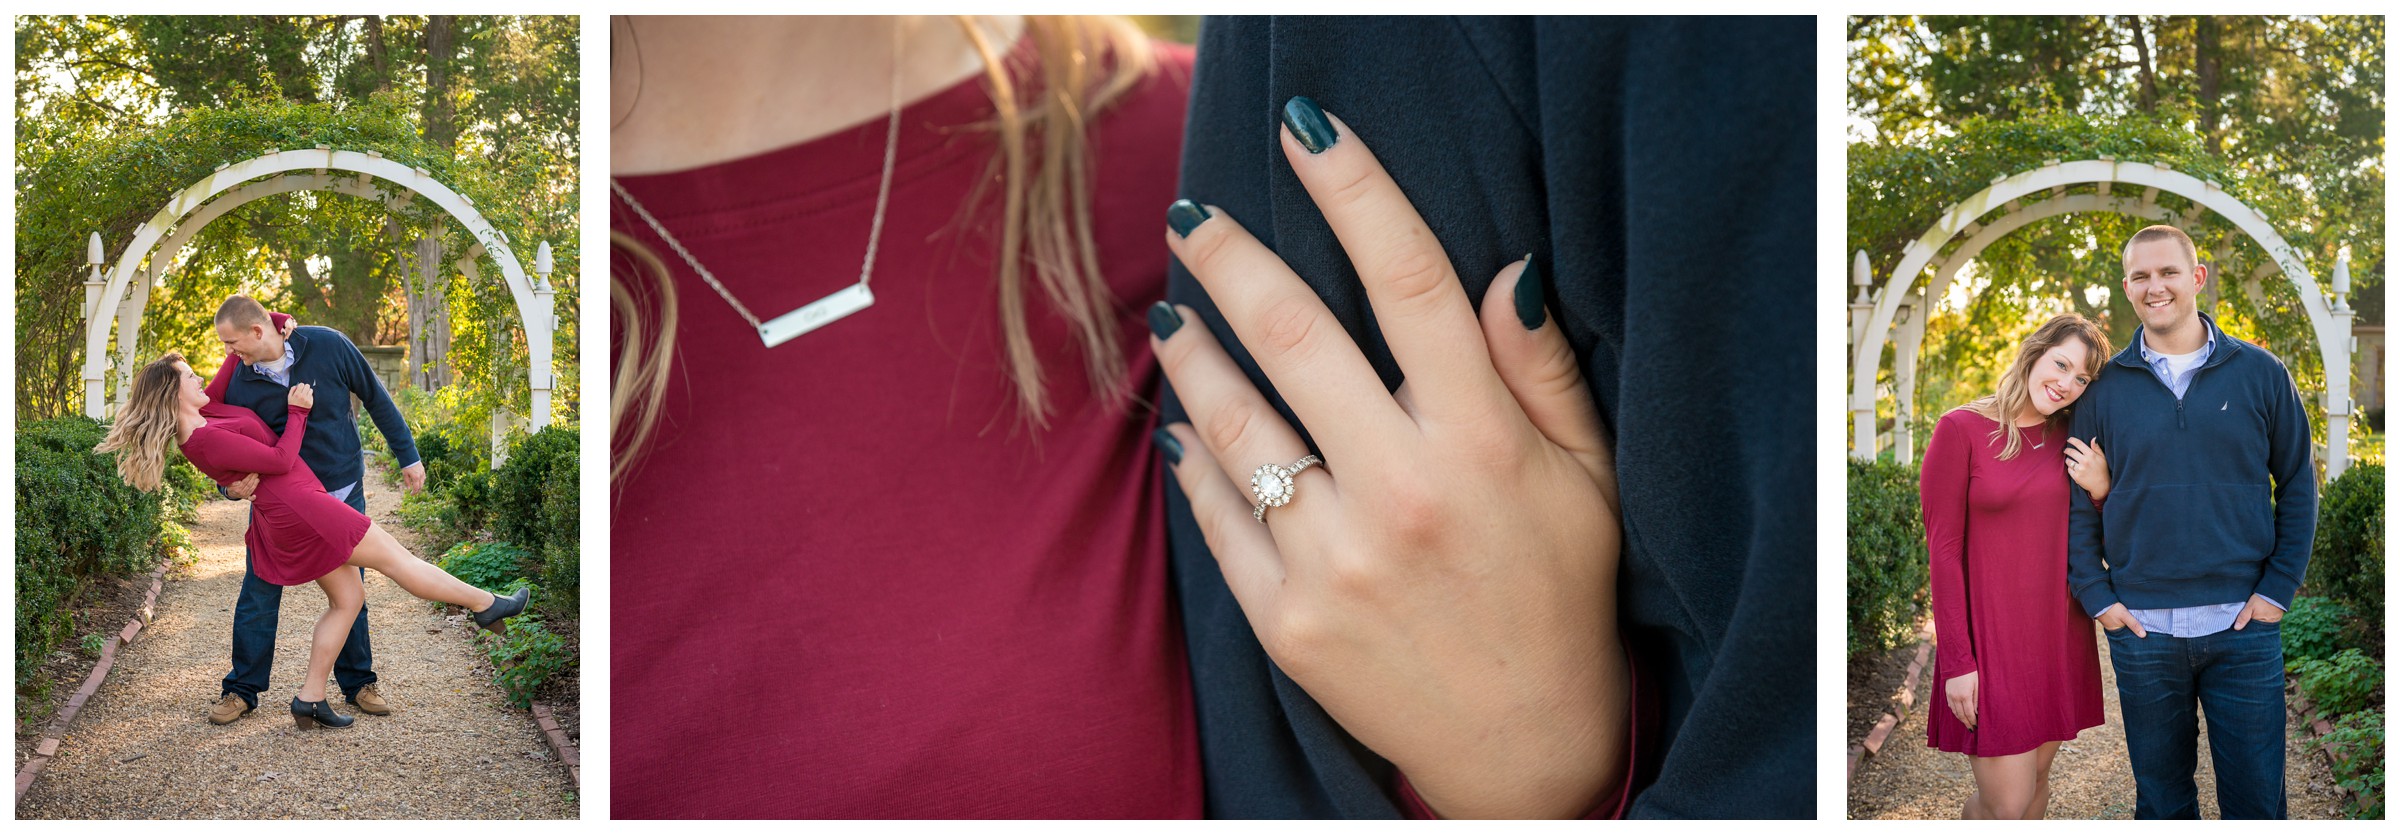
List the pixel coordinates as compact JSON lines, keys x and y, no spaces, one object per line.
{"x":298,"y":533}
{"x":941,"y":500}
{"x":2017,"y":663}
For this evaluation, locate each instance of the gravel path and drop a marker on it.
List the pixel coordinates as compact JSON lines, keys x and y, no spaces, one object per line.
{"x":2091,"y":779}
{"x":143,"y":748}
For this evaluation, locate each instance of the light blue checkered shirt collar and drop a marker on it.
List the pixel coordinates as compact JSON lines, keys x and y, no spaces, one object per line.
{"x":282,"y":373}
{"x":2177,"y":382}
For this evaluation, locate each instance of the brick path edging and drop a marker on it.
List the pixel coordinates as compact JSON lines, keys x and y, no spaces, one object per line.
{"x":557,"y":739}
{"x":65,"y":717}
{"x":1882,"y":732}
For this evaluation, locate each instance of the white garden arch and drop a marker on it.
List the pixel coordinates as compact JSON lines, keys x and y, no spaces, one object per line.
{"x":119,"y":296}
{"x":1873,"y":313}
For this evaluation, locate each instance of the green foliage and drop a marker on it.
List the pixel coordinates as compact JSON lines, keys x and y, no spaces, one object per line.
{"x":2346,"y":683}
{"x":526,"y":656}
{"x":2313,"y":630}
{"x":2356,"y":744}
{"x":2348,"y":561}
{"x":1887,"y":556}
{"x":485,"y":565}
{"x":94,"y":643}
{"x":77,"y":521}
{"x":534,"y":500}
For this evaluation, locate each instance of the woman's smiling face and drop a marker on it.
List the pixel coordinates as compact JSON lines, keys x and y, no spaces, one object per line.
{"x":2059,"y":376}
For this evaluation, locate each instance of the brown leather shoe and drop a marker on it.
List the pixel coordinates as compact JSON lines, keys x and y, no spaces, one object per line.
{"x":229,"y":707}
{"x":370,"y":702}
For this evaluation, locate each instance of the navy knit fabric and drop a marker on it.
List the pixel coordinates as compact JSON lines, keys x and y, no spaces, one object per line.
{"x":329,"y":362}
{"x":1665,"y":169}
{"x":2212,"y":498}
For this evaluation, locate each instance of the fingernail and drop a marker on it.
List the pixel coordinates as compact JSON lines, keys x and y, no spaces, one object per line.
{"x":1167,"y":445}
{"x":1309,"y":125}
{"x":1163,"y":320}
{"x":1184,"y":216}
{"x":1529,"y":295}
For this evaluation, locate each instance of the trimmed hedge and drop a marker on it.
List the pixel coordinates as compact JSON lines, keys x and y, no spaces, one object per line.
{"x":2347,"y":563}
{"x":533,"y":502}
{"x":1887,"y":556}
{"x":77,"y":521}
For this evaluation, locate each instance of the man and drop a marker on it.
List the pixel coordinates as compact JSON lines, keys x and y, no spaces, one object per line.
{"x":2202,"y":543}
{"x":271,"y":362}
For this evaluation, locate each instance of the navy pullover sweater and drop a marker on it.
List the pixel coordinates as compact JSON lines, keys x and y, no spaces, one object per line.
{"x":2212,"y":498}
{"x":328,"y":361}
{"x":1665,"y":171}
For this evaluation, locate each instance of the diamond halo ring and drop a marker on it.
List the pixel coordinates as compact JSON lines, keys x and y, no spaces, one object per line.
{"x":1273,"y":486}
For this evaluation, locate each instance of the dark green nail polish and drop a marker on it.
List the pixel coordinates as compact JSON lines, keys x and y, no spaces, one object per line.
{"x":1167,"y":446}
{"x":1529,"y":295}
{"x":1309,"y":125}
{"x":1163,"y":320}
{"x":1183,"y":216}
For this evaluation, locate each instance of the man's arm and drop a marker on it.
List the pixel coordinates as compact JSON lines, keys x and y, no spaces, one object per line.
{"x":2087,"y":578}
{"x":360,"y":378}
{"x":2288,"y":460}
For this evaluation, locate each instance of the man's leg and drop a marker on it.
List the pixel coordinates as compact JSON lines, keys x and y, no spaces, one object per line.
{"x":254,"y":619}
{"x":2162,"y":734}
{"x":2240,"y":685}
{"x":355,"y":667}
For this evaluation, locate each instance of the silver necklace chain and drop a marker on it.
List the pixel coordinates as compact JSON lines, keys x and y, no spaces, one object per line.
{"x":883,"y":195}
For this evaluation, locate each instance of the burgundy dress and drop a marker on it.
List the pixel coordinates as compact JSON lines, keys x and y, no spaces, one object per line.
{"x":1997,"y":536}
{"x":298,"y":533}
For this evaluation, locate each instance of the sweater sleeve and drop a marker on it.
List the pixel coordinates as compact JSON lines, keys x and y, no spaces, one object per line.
{"x":361,"y":379}
{"x":238,"y":452}
{"x":2288,"y":460}
{"x":2087,"y":575}
{"x":1942,"y":492}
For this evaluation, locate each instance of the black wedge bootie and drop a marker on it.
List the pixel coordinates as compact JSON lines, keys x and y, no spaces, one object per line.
{"x":503,"y":608}
{"x":311,"y":714}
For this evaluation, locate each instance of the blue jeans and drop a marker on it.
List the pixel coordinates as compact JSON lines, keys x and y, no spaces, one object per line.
{"x":254,"y":618}
{"x":2236,"y":679}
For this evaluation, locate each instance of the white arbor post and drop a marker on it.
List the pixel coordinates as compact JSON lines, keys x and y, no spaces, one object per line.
{"x":2338,"y":407}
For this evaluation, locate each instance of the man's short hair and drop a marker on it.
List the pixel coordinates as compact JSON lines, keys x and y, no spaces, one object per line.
{"x":241,"y":312}
{"x":2148,"y":234}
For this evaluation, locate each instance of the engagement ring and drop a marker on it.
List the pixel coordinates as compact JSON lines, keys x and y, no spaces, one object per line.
{"x":1273,"y":486}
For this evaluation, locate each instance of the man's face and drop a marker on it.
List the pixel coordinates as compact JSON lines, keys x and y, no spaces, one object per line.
{"x":2162,"y":283}
{"x":255,"y":343}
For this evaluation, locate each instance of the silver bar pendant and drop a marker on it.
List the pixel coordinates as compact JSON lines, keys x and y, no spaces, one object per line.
{"x":816,"y":314}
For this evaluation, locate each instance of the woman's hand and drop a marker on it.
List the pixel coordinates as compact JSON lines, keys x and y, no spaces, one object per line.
{"x":301,"y":396}
{"x":1445,"y":584}
{"x":1961,"y":691}
{"x":2088,"y":466}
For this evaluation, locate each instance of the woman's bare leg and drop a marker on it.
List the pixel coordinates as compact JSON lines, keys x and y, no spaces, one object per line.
{"x":2005,"y":787}
{"x":381,"y":552}
{"x":343,"y":597}
{"x":2042,"y":758}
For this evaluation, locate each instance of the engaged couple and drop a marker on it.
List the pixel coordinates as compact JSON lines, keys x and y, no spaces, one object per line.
{"x":2166,"y":493}
{"x":258,"y":430}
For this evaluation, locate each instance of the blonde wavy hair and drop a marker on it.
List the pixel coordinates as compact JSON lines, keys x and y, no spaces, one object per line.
{"x":1043,"y":170}
{"x":147,"y":424}
{"x":2005,"y":405}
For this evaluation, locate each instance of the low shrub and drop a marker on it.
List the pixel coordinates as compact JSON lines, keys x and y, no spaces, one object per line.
{"x":2356,"y":744}
{"x":486,"y":565}
{"x":525,"y":656}
{"x":535,"y":501}
{"x":2347,"y":562}
{"x":1887,"y":556}
{"x":2314,"y":629}
{"x":2345,"y":683}
{"x":76,"y":522}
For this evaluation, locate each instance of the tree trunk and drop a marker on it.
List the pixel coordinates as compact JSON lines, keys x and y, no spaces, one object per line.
{"x":378,"y":53}
{"x":2141,"y":48}
{"x":2205,"y":63}
{"x":441,"y":49}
